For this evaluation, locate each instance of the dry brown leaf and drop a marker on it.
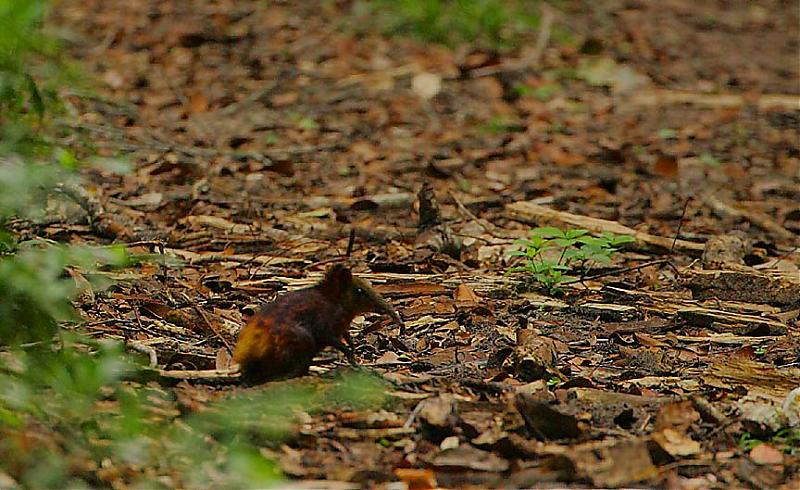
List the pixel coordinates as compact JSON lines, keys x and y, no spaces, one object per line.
{"x":679,"y":415}
{"x":439,"y":411}
{"x":614,"y":463}
{"x":223,"y":359}
{"x":465,"y":297}
{"x":766,"y":454}
{"x":676,"y":443}
{"x":416,"y":479}
{"x":666,"y":166}
{"x":198,"y":103}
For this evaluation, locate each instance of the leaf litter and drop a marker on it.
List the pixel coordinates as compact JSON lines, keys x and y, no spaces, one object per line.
{"x":260,"y":136}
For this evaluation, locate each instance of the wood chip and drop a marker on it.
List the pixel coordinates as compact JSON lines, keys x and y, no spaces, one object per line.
{"x":762,"y":378}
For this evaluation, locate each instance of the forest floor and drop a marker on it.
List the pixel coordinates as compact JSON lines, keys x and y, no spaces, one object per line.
{"x":260,"y":136}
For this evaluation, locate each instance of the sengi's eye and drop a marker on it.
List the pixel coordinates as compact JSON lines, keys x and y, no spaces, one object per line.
{"x":359,"y":292}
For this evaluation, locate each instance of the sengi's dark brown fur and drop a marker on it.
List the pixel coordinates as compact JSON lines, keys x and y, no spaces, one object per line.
{"x":282,"y":339}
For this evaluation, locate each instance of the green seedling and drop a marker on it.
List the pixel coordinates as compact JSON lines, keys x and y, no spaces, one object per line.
{"x":542,"y":92}
{"x":549,"y":255}
{"x":667,"y":134}
{"x":786,"y":439}
{"x":709,"y":159}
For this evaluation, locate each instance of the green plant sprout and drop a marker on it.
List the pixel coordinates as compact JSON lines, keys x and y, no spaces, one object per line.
{"x":786,"y":439}
{"x":495,"y":24}
{"x":574,"y":249}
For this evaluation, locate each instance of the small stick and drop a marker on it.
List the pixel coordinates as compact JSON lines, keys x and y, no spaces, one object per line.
{"x":202,"y":312}
{"x":350,"y":243}
{"x":544,"y":36}
{"x":146,"y":349}
{"x":619,"y":271}
{"x":207,"y":376}
{"x":680,"y":224}
{"x":413,"y":416}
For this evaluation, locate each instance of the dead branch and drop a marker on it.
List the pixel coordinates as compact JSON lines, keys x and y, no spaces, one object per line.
{"x":528,"y":212}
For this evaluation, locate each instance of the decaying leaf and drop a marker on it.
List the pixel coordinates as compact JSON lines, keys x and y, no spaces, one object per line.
{"x":613,"y":463}
{"x":544,"y":419}
{"x":470,"y":458}
{"x":534,"y":357}
{"x":676,"y":443}
{"x":438,"y":412}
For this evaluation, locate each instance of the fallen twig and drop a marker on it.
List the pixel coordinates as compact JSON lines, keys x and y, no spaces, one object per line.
{"x":675,"y":97}
{"x":759,"y":219}
{"x":145,"y":349}
{"x":527,"y":212}
{"x":620,"y":271}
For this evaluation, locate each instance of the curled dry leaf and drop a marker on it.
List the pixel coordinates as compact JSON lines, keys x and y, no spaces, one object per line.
{"x":676,"y":443}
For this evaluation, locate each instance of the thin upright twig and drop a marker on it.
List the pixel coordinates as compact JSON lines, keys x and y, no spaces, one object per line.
{"x":680,"y":225}
{"x":350,"y":242}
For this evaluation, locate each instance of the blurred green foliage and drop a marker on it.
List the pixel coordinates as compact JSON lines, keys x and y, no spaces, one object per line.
{"x":72,"y":414}
{"x":493,"y":24}
{"x":67,"y":420}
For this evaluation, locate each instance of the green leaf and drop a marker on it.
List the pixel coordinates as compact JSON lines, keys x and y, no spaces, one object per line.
{"x":66,"y":158}
{"x":252,"y":467}
{"x":575,"y":233}
{"x":307,"y":123}
{"x":621,"y":239}
{"x":594,"y":241}
{"x":37,"y":104}
{"x":600,"y":258}
{"x":524,"y":243}
{"x":564,"y":242}
{"x":572,"y":255}
{"x":271,"y":138}
{"x":541,"y":92}
{"x":547,"y":232}
{"x":667,"y":134}
{"x":709,"y":159}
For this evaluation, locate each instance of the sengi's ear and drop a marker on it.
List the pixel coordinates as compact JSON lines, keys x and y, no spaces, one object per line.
{"x":337,"y":278}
